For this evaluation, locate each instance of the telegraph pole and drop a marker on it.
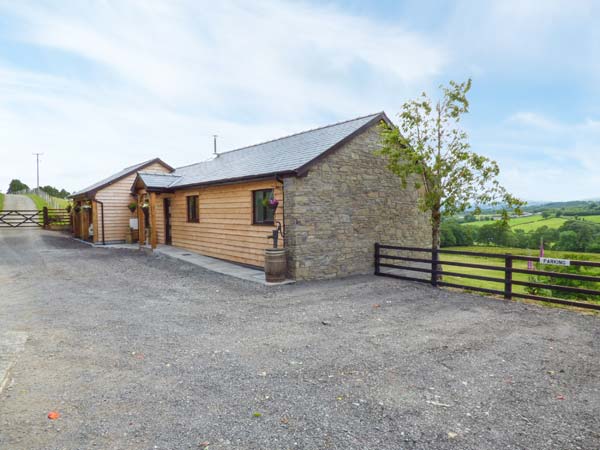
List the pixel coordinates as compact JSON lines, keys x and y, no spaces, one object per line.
{"x":37,"y":159}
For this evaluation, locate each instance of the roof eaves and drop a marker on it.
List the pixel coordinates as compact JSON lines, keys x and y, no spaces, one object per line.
{"x":133,"y":169}
{"x":235,"y":179}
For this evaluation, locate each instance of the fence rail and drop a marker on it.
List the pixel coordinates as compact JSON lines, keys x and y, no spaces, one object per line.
{"x":501,"y":273}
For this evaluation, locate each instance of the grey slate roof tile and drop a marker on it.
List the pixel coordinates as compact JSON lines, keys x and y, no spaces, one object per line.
{"x":116,"y":176}
{"x":286,"y":154}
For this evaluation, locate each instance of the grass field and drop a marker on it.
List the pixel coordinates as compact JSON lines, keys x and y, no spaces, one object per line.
{"x":553,"y":222}
{"x":41,"y":203}
{"x":1,"y":202}
{"x":531,"y":223}
{"x":500,"y":262}
{"x":595,"y":219}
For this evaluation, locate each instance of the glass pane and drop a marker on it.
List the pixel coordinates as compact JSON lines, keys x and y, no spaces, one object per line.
{"x":258,"y":207}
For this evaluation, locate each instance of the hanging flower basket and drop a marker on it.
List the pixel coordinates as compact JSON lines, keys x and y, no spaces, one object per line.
{"x":145,"y":205}
{"x":77,"y":209}
{"x":132,"y":206}
{"x":271,"y":203}
{"x":68,"y":208}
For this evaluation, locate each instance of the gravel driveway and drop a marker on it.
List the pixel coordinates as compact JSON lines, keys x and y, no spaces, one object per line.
{"x":22,"y":202}
{"x":144,"y":352}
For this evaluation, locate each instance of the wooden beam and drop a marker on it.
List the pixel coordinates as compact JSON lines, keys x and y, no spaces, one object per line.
{"x":85,"y":223}
{"x":141,"y":230}
{"x":153,"y":230}
{"x":95,"y":220}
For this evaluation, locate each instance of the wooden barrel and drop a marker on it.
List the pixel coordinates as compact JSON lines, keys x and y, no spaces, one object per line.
{"x":275,"y":265}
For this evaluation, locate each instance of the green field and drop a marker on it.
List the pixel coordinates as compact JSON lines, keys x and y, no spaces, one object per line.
{"x":595,"y":219}
{"x":552,"y":222}
{"x":531,"y":223}
{"x":500,"y":262}
{"x":1,"y":202}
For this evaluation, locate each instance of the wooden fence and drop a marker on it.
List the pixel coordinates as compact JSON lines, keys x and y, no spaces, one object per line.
{"x":431,"y":268}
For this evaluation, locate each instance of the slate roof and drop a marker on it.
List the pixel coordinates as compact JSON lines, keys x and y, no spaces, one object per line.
{"x":287,"y":155}
{"x":158,"y":180}
{"x":119,"y":175}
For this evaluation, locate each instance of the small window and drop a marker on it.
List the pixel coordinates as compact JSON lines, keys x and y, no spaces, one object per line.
{"x":192,"y":208}
{"x":263,"y":215}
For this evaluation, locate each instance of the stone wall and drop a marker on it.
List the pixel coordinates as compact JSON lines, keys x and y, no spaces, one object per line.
{"x":347,"y":202}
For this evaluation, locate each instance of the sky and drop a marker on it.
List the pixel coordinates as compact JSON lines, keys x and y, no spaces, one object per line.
{"x":99,"y":85}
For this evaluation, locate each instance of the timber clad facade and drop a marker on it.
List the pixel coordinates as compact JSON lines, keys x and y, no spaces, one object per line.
{"x":335,"y":197}
{"x":111,"y":197}
{"x":224,"y":228}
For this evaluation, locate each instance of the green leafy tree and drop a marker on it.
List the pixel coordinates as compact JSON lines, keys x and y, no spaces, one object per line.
{"x":429,"y":150}
{"x":16,"y":186}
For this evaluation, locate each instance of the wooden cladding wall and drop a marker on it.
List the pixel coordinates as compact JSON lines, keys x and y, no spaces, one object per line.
{"x":225,"y":228}
{"x":116,"y":197}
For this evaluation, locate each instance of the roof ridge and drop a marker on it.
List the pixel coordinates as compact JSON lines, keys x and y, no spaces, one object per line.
{"x":288,"y":136}
{"x":160,"y":173}
{"x":138,"y":164}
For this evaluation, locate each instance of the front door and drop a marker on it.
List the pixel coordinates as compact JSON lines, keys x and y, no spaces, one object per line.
{"x":167,"y":205}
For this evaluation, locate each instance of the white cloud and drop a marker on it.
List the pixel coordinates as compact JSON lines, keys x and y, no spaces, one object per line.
{"x":160,"y":77}
{"x":544,"y":158}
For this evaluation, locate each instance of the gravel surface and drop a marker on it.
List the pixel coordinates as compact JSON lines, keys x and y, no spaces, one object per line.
{"x":13,"y":201}
{"x":144,"y":352}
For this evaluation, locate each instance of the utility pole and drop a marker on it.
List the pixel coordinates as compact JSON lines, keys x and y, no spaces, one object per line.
{"x":37,"y":158}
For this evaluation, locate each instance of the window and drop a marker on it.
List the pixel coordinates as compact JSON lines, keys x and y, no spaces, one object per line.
{"x":192,"y":208}
{"x":263,"y":215}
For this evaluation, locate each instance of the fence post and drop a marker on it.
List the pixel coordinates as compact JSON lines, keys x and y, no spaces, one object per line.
{"x":46,"y":221}
{"x":376,"y":258}
{"x":508,"y":264}
{"x":435,"y":257}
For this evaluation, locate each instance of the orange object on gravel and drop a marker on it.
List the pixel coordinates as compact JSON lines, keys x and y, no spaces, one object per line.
{"x":53,"y":415}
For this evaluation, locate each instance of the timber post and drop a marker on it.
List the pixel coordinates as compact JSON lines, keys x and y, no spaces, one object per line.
{"x":153,"y":230}
{"x":508,"y":265}
{"x":435,"y":257}
{"x":46,"y":218}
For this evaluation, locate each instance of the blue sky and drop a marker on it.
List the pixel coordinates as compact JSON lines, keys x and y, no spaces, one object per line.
{"x":99,"y":85}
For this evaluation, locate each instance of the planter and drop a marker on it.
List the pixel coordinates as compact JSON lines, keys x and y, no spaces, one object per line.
{"x":275,"y":265}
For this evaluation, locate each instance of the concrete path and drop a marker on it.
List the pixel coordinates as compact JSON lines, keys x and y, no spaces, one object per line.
{"x":13,"y":201}
{"x":217,"y":265}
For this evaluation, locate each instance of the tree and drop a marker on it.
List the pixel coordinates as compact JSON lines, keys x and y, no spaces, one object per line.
{"x":16,"y":186}
{"x":546,"y":214}
{"x":429,"y":150}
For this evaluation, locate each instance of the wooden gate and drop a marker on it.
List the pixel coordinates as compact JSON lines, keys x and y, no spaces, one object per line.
{"x":21,"y":218}
{"x":33,"y":218}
